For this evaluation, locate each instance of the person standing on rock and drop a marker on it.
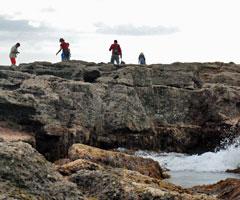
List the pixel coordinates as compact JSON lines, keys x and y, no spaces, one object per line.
{"x":141,"y":59}
{"x":13,"y":54}
{"x":116,"y":52}
{"x":64,"y":47}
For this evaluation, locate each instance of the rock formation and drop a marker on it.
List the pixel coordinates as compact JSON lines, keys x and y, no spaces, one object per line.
{"x":105,"y":175}
{"x":25,"y":174}
{"x":226,"y":190}
{"x":115,"y":159}
{"x":181,"y":107}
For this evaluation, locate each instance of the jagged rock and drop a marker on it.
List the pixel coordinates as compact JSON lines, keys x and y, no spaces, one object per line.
{"x":116,"y":184}
{"x":145,"y":166}
{"x":228,"y":189}
{"x":77,"y":165}
{"x":25,"y":174}
{"x":181,"y":107}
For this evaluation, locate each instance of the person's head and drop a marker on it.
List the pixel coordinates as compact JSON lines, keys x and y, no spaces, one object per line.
{"x":61,"y":40}
{"x":18,"y":44}
{"x":115,"y":41}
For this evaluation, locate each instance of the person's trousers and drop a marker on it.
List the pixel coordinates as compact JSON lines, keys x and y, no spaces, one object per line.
{"x":65,"y":57}
{"x":13,"y":61}
{"x":115,"y":58}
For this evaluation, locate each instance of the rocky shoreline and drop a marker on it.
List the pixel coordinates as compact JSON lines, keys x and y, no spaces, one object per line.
{"x":56,"y":108}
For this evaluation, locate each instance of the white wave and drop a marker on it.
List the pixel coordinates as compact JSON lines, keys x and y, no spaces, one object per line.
{"x":220,"y":161}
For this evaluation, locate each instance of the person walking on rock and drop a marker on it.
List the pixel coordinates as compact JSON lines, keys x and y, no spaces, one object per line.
{"x":141,"y":59}
{"x":116,"y":52}
{"x":13,"y":54}
{"x":64,"y":47}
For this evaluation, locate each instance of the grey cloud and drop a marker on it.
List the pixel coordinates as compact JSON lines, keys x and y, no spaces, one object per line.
{"x":17,"y":25}
{"x":132,"y":30}
{"x":22,"y":30}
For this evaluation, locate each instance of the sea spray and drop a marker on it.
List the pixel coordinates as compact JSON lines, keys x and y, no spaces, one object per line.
{"x":191,"y":170}
{"x":219,"y":161}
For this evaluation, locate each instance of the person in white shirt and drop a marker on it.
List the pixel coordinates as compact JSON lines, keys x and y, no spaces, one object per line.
{"x":13,"y":53}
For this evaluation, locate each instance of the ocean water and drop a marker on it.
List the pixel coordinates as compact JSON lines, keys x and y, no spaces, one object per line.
{"x":191,"y":170}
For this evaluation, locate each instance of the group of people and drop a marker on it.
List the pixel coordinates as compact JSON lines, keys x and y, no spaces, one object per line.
{"x":117,"y":52}
{"x":66,"y":54}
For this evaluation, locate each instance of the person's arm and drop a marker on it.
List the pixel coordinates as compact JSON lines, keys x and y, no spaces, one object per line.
{"x":59,"y":51}
{"x":111,"y":47}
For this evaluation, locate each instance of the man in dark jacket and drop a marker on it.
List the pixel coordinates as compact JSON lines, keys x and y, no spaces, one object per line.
{"x":141,"y":59}
{"x":116,"y":52}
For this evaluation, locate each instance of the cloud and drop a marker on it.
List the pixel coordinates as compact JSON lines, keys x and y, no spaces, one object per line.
{"x":33,"y":35}
{"x":48,"y":10}
{"x":129,"y":29}
{"x":11,"y":30}
{"x":15,"y":25}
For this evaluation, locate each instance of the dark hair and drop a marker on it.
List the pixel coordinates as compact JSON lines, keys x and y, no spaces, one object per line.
{"x":18,"y":44}
{"x":61,"y":40}
{"x":115,"y":41}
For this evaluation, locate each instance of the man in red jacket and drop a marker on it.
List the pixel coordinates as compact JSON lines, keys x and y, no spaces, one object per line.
{"x":116,"y":52}
{"x":64,"y":47}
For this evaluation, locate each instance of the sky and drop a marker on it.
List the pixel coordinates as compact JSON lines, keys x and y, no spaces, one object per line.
{"x":166,"y":31}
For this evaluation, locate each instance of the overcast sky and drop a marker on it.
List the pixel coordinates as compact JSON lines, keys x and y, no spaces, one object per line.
{"x":165,"y":30}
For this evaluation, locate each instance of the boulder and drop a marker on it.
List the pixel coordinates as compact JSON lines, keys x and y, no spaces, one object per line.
{"x":114,"y":184}
{"x":25,"y":174}
{"x":228,"y":189}
{"x":144,"y":166}
{"x":77,"y":165}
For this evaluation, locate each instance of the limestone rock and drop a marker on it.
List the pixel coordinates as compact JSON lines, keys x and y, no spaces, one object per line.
{"x":25,"y":174}
{"x":77,"y":165}
{"x":114,"y":184}
{"x":10,"y":134}
{"x":228,"y":189}
{"x":181,"y":107}
{"x":116,"y":159}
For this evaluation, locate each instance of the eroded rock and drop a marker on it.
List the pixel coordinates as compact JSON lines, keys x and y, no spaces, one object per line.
{"x":116,"y":160}
{"x":181,"y":107}
{"x":25,"y":174}
{"x":114,"y":184}
{"x":228,"y":189}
